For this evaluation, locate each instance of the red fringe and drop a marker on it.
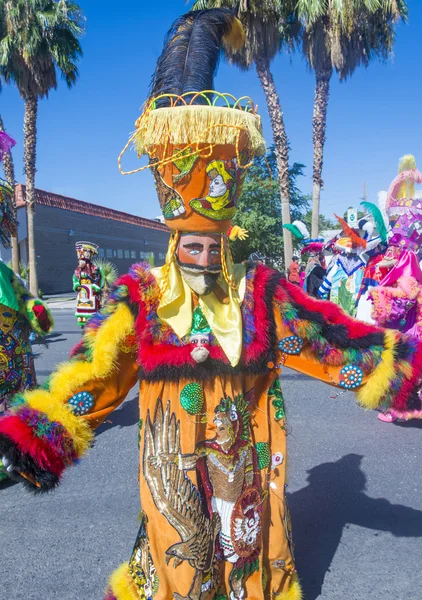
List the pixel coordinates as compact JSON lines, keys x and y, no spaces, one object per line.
{"x":330,"y":311}
{"x":22,"y":435}
{"x":400,"y":402}
{"x":261,"y":316}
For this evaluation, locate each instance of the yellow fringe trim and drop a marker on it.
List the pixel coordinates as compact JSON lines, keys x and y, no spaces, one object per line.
{"x":294,"y":592}
{"x":71,"y":376}
{"x":198,"y":124}
{"x":372,"y":393}
{"x":122,"y":584}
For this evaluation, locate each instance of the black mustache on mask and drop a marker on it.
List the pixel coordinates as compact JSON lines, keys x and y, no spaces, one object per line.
{"x":212,"y":269}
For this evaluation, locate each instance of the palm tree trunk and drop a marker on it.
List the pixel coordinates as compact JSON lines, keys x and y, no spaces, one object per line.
{"x":281,"y":148}
{"x":30,"y":132}
{"x":319,"y":128}
{"x":9,"y":171}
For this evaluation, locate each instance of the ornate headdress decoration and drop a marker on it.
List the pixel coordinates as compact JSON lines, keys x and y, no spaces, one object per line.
{"x":8,"y":223}
{"x":403,"y":209}
{"x":82,"y":247}
{"x":199,"y":142}
{"x":300,"y":232}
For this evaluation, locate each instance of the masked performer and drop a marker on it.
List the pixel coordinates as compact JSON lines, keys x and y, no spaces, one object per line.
{"x":88,"y":281}
{"x":344,"y":277}
{"x":207,"y":339}
{"x":20,"y":313}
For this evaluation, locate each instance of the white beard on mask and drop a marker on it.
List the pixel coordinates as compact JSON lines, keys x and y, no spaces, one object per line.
{"x":201,"y":282}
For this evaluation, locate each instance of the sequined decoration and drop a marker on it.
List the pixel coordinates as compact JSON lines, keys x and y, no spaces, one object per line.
{"x":351,"y":377}
{"x":192,"y":398}
{"x":81,"y":403}
{"x":291,"y":345}
{"x":276,"y":396}
{"x":141,"y":566}
{"x":129,"y":344}
{"x":263,"y":454}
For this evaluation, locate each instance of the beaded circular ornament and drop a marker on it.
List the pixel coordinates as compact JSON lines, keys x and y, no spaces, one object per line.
{"x":81,"y":403}
{"x":351,"y":377}
{"x":291,"y":345}
{"x":192,"y":398}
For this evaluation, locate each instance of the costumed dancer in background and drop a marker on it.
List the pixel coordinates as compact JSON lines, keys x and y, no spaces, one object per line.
{"x":20,"y":313}
{"x":344,"y":277}
{"x":376,"y":268}
{"x":88,"y":281}
{"x":397,"y":301}
{"x":313,"y":250}
{"x":207,"y":339}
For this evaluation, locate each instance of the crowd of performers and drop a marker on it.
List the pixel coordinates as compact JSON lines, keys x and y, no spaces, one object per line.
{"x":373,"y":271}
{"x":207,"y":340}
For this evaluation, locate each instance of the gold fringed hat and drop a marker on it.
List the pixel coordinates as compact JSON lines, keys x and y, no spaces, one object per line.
{"x":199,"y":142}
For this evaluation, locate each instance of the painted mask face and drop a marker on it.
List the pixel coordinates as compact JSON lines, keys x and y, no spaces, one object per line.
{"x":217,"y":187}
{"x":400,"y":308}
{"x":7,"y":318}
{"x":224,"y":427}
{"x":200,"y":345}
{"x":199,"y":259}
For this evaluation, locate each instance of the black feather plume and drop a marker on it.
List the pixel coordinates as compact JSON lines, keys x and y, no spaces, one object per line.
{"x":190,"y":55}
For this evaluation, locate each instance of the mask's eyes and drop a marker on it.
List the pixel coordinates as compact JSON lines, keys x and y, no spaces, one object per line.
{"x":194,"y":252}
{"x":194,"y":340}
{"x":204,"y":340}
{"x":215,"y":252}
{"x":398,"y":302}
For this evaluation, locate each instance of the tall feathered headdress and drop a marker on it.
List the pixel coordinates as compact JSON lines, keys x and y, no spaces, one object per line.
{"x":191,"y":51}
{"x":376,"y":214}
{"x":351,"y":233}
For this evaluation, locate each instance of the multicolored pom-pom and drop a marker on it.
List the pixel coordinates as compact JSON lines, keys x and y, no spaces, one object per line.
{"x":351,"y":377}
{"x":263,"y":454}
{"x":81,"y":403}
{"x":192,"y":398}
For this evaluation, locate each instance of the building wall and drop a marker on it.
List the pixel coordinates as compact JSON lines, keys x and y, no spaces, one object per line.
{"x":57,"y":231}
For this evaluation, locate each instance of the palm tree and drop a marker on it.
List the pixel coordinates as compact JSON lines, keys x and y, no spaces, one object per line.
{"x":39,"y":39}
{"x":268,"y":24}
{"x":9,"y":172}
{"x":340,"y":36}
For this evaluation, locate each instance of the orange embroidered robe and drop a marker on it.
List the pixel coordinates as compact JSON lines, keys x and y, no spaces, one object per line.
{"x":212,"y":437}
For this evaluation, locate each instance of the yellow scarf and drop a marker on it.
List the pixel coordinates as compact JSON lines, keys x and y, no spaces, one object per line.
{"x":225,"y":320}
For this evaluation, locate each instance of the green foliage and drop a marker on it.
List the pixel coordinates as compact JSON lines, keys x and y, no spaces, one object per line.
{"x":259,"y":210}
{"x":325,"y":223}
{"x":344,"y":35}
{"x":38,"y":40}
{"x":268,"y":24}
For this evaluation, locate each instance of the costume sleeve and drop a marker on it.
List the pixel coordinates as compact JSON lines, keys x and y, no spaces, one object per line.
{"x":317,"y":338}
{"x":49,"y":428}
{"x":325,"y":287}
{"x":33,"y":310}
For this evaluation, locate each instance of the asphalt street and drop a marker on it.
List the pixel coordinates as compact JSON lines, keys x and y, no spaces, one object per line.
{"x":355,"y":496}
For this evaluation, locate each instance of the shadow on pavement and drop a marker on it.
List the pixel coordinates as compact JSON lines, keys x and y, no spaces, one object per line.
{"x":414,"y":423}
{"x":334,"y":498}
{"x":126,"y":415}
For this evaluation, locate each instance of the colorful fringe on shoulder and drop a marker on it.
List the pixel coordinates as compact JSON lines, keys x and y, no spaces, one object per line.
{"x":46,"y":431}
{"x":390,"y":360}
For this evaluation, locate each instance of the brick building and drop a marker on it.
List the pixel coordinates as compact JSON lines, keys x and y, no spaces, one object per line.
{"x":123,"y":238}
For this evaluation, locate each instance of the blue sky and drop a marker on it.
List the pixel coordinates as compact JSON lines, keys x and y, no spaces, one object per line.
{"x":373,"y":118}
